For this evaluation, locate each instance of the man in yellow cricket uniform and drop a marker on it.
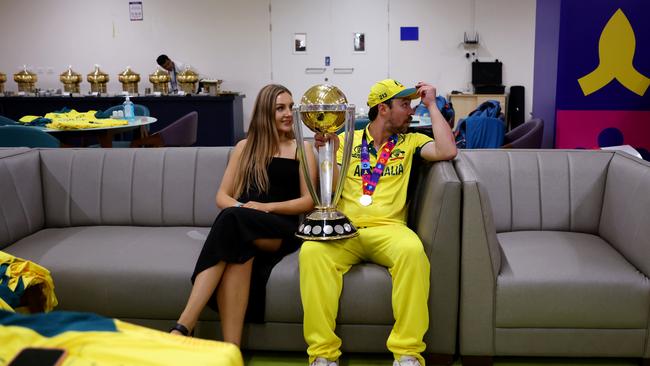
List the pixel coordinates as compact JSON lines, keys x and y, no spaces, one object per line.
{"x":374,"y":198}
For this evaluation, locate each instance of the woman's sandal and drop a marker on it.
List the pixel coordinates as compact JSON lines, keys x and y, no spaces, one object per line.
{"x":182,"y":330}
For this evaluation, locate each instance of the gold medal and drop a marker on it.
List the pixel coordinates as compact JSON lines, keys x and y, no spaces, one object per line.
{"x":365,"y":200}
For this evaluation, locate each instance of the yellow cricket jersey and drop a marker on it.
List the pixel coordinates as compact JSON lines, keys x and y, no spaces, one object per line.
{"x":389,"y":199}
{"x":92,"y":340}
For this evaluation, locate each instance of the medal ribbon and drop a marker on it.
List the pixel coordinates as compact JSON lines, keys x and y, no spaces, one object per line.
{"x":370,"y":180}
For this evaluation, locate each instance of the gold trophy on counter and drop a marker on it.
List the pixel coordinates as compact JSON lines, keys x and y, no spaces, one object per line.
{"x":98,"y":80}
{"x":26,"y":80}
{"x":71,"y":81}
{"x":325,"y":109}
{"x":3,"y":79}
{"x":129,"y":80}
{"x":160,"y":81}
{"x":187,"y":80}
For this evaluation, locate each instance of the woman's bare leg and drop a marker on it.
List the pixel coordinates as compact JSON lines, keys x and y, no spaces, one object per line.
{"x":204,"y":285}
{"x":234,"y":290}
{"x":232,"y":298}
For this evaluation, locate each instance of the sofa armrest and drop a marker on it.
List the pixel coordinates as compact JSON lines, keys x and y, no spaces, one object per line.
{"x":480,"y":265}
{"x":625,"y":215}
{"x":21,"y":195}
{"x":435,"y":217}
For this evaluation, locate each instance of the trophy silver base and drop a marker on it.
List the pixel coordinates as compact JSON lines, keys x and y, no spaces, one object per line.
{"x":326,"y":224}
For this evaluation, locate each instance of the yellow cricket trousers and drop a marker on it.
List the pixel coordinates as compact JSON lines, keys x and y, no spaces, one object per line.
{"x":322,"y":266}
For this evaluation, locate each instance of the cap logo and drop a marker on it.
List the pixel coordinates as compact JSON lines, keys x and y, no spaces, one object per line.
{"x":383,"y":95}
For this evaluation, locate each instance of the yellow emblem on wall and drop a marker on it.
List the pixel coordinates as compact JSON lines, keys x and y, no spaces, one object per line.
{"x":616,"y":50}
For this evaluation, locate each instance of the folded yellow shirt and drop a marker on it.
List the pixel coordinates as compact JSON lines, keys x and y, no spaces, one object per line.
{"x":77,"y":120}
{"x":74,"y":120}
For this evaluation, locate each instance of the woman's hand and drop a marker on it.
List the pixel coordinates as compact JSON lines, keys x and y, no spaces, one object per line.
{"x":259,"y":206}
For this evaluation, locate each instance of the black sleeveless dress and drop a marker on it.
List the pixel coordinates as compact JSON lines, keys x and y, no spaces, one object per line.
{"x":235,"y":228}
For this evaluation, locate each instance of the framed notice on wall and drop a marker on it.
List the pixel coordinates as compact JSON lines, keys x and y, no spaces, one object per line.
{"x":135,"y":10}
{"x":300,"y":43}
{"x":359,"y":42}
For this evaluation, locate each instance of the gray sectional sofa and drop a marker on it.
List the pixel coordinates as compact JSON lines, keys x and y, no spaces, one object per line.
{"x":555,"y":255}
{"x":533,"y":252}
{"x":120,"y":231}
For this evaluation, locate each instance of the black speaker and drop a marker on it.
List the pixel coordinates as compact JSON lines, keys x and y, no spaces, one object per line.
{"x":516,"y":104}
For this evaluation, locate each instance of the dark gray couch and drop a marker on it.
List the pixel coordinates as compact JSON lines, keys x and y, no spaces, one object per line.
{"x":120,"y":231}
{"x":555,"y":254}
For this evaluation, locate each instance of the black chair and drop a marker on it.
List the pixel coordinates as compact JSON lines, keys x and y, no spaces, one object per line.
{"x":181,"y":132}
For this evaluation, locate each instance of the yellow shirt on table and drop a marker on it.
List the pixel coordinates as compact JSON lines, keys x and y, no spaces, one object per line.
{"x":389,"y":199}
{"x":74,"y":120}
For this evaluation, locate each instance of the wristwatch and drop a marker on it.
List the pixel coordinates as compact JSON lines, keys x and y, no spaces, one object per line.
{"x":238,"y":204}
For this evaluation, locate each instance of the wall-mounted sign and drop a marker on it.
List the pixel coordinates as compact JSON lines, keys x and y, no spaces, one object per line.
{"x":135,"y":10}
{"x":409,"y":33}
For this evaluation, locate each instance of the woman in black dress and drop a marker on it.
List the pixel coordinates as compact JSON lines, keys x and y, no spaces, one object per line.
{"x":261,"y":195}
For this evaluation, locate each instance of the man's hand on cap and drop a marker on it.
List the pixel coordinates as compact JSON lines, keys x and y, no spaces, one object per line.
{"x":427,"y":93}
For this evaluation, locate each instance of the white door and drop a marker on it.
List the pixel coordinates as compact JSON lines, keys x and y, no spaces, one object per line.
{"x":329,"y":27}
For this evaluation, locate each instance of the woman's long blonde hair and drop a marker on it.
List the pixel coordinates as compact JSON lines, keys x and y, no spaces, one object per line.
{"x":262,"y":143}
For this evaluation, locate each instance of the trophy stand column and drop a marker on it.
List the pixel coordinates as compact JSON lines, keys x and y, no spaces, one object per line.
{"x":326,"y":169}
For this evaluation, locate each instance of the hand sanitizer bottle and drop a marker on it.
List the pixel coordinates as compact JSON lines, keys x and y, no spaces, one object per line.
{"x":129,"y":111}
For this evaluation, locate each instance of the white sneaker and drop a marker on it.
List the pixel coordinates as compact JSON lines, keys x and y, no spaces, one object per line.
{"x":407,"y":361}
{"x":319,"y":361}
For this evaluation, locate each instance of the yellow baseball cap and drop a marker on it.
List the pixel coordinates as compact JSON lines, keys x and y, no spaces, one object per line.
{"x":389,"y":88}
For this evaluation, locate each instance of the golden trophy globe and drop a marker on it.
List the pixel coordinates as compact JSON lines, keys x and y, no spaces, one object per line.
{"x":325,"y":109}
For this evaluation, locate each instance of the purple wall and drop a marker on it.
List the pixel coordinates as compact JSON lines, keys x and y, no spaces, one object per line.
{"x":547,"y":32}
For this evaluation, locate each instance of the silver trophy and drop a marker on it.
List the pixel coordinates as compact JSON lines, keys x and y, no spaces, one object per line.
{"x":325,"y":109}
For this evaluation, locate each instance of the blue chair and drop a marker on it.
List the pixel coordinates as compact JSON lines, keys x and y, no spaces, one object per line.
{"x":123,"y":139}
{"x":138,"y":110}
{"x":25,"y":136}
{"x":4,"y":121}
{"x":359,"y":124}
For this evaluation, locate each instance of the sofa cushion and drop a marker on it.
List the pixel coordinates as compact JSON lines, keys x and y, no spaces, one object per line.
{"x":144,"y":187}
{"x":552,"y":279}
{"x":366,"y":297}
{"x":541,"y":190}
{"x":118,"y":271}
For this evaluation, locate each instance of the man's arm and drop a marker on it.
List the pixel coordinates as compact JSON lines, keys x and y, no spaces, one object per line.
{"x":444,"y":146}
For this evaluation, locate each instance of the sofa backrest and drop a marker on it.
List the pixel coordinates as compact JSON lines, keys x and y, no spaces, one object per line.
{"x":625,"y":222}
{"x":21,"y":198}
{"x":540,"y":189}
{"x":141,"y":187}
